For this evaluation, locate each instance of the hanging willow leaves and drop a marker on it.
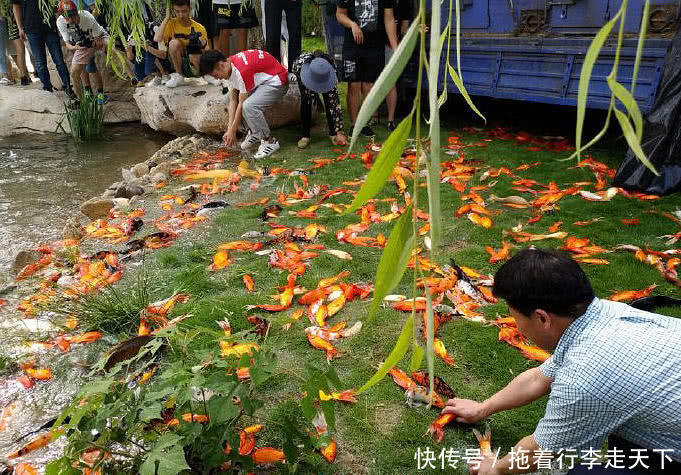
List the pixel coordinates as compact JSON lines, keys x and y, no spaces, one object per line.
{"x":386,"y":80}
{"x":384,"y":165}
{"x":434,"y":163}
{"x":395,"y":356}
{"x":416,"y":357}
{"x":639,"y":48}
{"x":394,"y":259}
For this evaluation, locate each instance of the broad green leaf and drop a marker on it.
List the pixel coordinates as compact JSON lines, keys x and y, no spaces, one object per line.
{"x":462,"y":89}
{"x":634,"y":144}
{"x":61,"y":466}
{"x":328,"y":408}
{"x":416,"y":357}
{"x":221,"y":409}
{"x":629,"y":102}
{"x":395,"y":356}
{"x":639,"y":48}
{"x":151,"y":411}
{"x":171,"y":461}
{"x":394,"y":259}
{"x":585,"y":77}
{"x":384,"y":165}
{"x":430,"y":351}
{"x":434,"y":164}
{"x":386,"y":80}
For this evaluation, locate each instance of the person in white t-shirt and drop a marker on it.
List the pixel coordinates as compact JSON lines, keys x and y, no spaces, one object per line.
{"x":84,"y":36}
{"x":256,"y":80}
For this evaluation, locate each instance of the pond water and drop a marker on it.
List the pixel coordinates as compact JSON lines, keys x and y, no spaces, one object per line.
{"x":45,"y":178}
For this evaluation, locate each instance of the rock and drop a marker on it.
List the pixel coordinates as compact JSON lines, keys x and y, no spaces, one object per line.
{"x":30,"y":109}
{"x":109,"y":193}
{"x":73,"y":229}
{"x":96,"y":208}
{"x":128,"y":191}
{"x":182,"y":148}
{"x":127,"y":175}
{"x":140,"y":170}
{"x":7,"y":289}
{"x":163,"y":168}
{"x":121,"y":203}
{"x":24,"y":258}
{"x":158,"y":178}
{"x":203,"y":108}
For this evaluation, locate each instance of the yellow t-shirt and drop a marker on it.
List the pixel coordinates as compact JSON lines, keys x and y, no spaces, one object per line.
{"x":175,"y":28}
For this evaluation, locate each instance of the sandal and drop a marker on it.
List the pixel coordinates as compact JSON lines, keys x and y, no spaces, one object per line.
{"x":303,"y":142}
{"x":337,"y":142}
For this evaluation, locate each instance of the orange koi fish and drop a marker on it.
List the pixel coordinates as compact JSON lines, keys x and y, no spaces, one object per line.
{"x":25,"y":469}
{"x":441,"y":351}
{"x":555,"y":227}
{"x":346,"y":396}
{"x":163,"y":307}
{"x":483,"y":221}
{"x":267,"y":455}
{"x":485,"y":442}
{"x":436,"y":429}
{"x":189,"y":417}
{"x":500,"y":255}
{"x":37,"y":443}
{"x":241,"y":246}
{"x":632,"y":294}
{"x":220,"y":260}
{"x":630,"y":222}
{"x":322,"y":344}
{"x":229,"y":349}
{"x":41,"y":374}
{"x":533,"y":352}
{"x":248,"y":282}
{"x":401,"y":378}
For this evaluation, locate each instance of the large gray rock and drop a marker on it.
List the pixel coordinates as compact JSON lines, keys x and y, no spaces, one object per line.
{"x":199,"y":107}
{"x":96,"y":208}
{"x":30,"y":109}
{"x":24,"y":258}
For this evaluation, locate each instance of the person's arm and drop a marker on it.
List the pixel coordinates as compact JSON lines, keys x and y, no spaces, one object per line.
{"x":528,"y":386}
{"x":61,"y":26}
{"x":390,"y":27}
{"x":16,"y":8}
{"x":230,"y":135}
{"x":344,"y":19}
{"x":160,"y":33}
{"x":159,"y":53}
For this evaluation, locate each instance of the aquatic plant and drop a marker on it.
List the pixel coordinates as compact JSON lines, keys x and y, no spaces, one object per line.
{"x":86,"y":121}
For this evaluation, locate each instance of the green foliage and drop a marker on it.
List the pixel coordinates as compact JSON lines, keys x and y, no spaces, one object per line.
{"x":130,"y":419}
{"x":7,"y":365}
{"x":86,"y":122}
{"x":312,"y":19}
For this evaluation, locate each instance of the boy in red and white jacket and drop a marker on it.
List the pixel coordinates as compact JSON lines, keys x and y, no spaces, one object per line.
{"x":256,"y":80}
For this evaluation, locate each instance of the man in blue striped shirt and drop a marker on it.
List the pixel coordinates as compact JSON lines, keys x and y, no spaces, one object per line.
{"x":615,"y":373}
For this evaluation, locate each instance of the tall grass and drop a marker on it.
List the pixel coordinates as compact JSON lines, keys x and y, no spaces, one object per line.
{"x":86,"y":121}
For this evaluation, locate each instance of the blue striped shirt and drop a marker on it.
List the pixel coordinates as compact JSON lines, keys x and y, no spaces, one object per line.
{"x":616,"y":370}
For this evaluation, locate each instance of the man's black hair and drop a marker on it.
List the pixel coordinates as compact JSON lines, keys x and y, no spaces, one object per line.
{"x":209,"y":59}
{"x":543,"y":279}
{"x":180,"y":3}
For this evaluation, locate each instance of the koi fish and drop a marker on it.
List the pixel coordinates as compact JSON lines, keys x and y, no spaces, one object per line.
{"x":441,"y":351}
{"x":500,"y":255}
{"x":220,"y":260}
{"x":241,"y":246}
{"x":329,"y":335}
{"x":401,"y":378}
{"x":483,"y":221}
{"x":267,"y":455}
{"x":229,"y":349}
{"x":436,"y":429}
{"x":346,"y":396}
{"x":37,"y":443}
{"x":441,"y":387}
{"x":418,"y":395}
{"x":632,"y":294}
{"x":322,"y":344}
{"x":485,"y":442}
{"x":533,"y":352}
{"x":512,"y":200}
{"x":189,"y":417}
{"x":25,"y":469}
{"x":246,"y":443}
{"x":248,"y":282}
{"x":630,"y":222}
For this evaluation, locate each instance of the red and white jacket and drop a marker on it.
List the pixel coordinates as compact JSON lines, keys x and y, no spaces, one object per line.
{"x":254,"y":67}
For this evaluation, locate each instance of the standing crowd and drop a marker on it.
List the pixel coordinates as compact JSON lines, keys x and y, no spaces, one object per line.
{"x":211,"y":41}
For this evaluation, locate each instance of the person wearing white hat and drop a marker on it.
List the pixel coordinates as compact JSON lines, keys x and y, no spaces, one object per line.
{"x":316,"y":74}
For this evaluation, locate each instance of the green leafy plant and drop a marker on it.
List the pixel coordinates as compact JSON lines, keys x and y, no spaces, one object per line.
{"x":86,"y":121}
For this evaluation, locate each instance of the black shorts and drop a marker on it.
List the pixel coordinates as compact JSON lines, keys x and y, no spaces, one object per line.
{"x":228,"y":17}
{"x":363,"y":65}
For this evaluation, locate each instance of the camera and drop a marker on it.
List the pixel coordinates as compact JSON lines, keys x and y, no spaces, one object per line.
{"x":85,"y":43}
{"x":194,"y":44}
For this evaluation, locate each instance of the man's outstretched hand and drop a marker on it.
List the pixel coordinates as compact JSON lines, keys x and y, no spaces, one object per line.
{"x":229,"y":138}
{"x":466,"y":410}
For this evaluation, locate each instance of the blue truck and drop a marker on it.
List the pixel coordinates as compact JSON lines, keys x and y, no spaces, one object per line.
{"x":533,"y":50}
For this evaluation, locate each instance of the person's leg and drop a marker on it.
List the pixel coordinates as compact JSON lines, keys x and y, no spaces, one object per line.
{"x":334,"y":114}
{"x":391,"y":102}
{"x":20,"y":50}
{"x":54,"y":47}
{"x":254,"y":115}
{"x":354,"y":99}
{"x":4,"y":38}
{"x":37,"y":42}
{"x":175,"y":51}
{"x":294,"y":18}
{"x":77,"y":73}
{"x":305,"y":111}
{"x":272,"y":15}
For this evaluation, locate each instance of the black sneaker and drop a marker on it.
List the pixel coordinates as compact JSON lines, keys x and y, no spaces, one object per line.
{"x":391,"y":125}
{"x":367,"y":131}
{"x":26,"y":81}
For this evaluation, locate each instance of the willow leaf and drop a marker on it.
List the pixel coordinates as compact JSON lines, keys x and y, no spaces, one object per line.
{"x":395,"y":356}
{"x":394,"y":259}
{"x":430,"y":339}
{"x":384,"y":165}
{"x":386,"y":80}
{"x":416,"y":357}
{"x":639,"y":48}
{"x":629,"y":102}
{"x":434,"y":163}
{"x":585,"y":77}
{"x":462,"y":89}
{"x":634,"y":144}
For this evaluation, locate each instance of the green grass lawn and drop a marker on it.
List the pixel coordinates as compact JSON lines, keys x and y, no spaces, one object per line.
{"x":380,"y":434}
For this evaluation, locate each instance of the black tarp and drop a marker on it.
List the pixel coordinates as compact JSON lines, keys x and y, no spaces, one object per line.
{"x":661,"y":135}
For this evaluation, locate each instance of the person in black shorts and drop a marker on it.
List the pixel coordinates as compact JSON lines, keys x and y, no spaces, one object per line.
{"x":367,"y":22}
{"x":233,"y":17}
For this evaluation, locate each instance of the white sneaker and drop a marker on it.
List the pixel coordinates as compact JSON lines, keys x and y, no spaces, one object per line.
{"x":249,"y":141}
{"x":5,"y":82}
{"x":176,"y":79}
{"x":266,"y":148}
{"x":212,"y":81}
{"x":155,"y":82}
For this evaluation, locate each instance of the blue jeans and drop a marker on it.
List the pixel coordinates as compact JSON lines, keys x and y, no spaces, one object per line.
{"x":38,"y":40}
{"x":3,"y":47}
{"x":145,"y":67}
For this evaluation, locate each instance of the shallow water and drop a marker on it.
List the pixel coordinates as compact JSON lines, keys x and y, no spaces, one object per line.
{"x":44,"y":179}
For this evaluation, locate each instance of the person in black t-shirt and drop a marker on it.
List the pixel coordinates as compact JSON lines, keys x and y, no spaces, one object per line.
{"x":367,"y":22}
